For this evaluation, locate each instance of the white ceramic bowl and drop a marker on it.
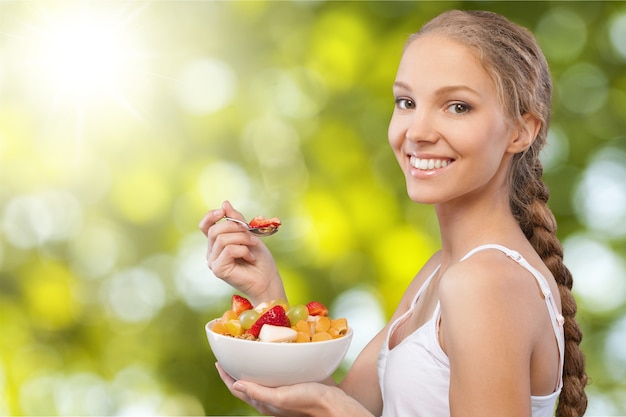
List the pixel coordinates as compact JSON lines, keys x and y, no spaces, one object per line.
{"x":276,"y":364}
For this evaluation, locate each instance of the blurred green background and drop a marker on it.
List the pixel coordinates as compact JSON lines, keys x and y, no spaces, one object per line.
{"x":122,"y":123}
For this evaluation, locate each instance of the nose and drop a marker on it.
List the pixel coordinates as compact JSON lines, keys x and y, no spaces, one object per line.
{"x":422,"y":127}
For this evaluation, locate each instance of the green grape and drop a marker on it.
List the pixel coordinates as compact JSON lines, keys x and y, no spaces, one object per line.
{"x":247,"y":318}
{"x":280,"y":302}
{"x":297,"y":313}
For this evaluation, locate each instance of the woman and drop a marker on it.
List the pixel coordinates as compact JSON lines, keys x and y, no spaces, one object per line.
{"x":487,"y":327}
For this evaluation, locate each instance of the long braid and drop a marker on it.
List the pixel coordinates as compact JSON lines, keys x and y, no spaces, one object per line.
{"x":539,"y":226}
{"x":520,"y":72}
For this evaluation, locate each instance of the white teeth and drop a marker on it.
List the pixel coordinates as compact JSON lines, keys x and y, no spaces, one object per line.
{"x":426,"y":164}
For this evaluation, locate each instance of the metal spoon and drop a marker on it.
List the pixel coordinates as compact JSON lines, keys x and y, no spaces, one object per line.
{"x":259,"y":231}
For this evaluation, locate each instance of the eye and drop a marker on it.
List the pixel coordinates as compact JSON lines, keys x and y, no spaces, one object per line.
{"x":405,"y":103}
{"x":459,"y":108}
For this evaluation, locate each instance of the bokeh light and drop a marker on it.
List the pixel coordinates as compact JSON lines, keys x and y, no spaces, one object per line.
{"x":34,"y":220}
{"x":362,"y":305}
{"x":600,"y":199}
{"x":583,"y":88}
{"x":562,"y":34}
{"x":206,"y":86}
{"x":598,"y":271}
{"x":556,"y":151}
{"x":617,"y":33}
{"x":198,"y":287}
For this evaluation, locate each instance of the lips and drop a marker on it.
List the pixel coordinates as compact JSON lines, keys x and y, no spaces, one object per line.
{"x":429,"y":164}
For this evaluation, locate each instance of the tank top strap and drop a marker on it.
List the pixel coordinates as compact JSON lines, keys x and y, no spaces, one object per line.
{"x":557,"y":318}
{"x":424,"y":285}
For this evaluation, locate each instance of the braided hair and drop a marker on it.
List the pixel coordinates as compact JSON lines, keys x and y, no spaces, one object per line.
{"x":516,"y":64}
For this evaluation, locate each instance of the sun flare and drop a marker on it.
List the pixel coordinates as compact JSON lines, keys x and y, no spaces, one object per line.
{"x":86,"y":55}
{"x":86,"y":58}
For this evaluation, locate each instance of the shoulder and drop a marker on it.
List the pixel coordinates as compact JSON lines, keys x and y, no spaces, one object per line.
{"x":491,"y":291}
{"x":486,"y":274}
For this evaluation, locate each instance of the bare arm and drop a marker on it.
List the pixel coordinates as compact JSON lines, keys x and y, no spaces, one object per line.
{"x":487,"y":333}
{"x":361,"y":382}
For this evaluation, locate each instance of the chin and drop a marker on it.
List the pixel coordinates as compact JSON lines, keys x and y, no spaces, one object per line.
{"x":421,"y":198}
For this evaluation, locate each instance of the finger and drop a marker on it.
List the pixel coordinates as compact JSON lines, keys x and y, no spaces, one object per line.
{"x":229,"y":381}
{"x":231,"y":212}
{"x":231,"y":245}
{"x":222,"y":236}
{"x":260,"y":397}
{"x":210,"y":219}
{"x":238,"y":252}
{"x":255,"y":392}
{"x":225,"y":261}
{"x":226,"y":233}
{"x":232,"y":229}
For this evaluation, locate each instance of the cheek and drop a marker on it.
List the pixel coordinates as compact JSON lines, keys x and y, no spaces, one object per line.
{"x":395,"y":136}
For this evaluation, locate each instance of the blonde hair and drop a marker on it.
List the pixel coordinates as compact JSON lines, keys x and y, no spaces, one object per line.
{"x":515,"y":62}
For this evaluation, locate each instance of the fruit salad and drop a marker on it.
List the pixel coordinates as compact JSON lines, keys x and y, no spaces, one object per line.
{"x":276,"y":321}
{"x":264,"y":224}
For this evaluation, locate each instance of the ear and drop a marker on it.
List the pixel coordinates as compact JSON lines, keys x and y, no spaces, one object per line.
{"x":525,"y":134}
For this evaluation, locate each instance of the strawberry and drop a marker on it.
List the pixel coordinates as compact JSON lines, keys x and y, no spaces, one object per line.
{"x":261,"y":221}
{"x":240,"y":304}
{"x":317,"y":309}
{"x":276,"y":316}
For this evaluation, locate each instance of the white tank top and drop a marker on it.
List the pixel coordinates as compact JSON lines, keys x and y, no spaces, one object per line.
{"x":414,"y":376}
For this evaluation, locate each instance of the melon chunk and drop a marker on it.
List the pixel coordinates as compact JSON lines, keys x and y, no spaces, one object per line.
{"x":277,"y":334}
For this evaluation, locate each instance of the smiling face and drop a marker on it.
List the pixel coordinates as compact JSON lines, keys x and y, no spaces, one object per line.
{"x":448,"y":130}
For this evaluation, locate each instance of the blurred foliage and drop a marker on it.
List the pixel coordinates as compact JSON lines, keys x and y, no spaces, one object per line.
{"x":116,"y":138}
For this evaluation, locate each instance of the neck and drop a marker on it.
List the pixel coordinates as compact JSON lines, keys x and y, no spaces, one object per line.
{"x":470,"y":222}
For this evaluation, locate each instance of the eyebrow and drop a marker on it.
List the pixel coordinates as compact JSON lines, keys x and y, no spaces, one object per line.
{"x":401,"y":85}
{"x":440,"y":91}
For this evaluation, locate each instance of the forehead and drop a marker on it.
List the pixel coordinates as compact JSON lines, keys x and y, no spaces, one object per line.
{"x":434,"y":61}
